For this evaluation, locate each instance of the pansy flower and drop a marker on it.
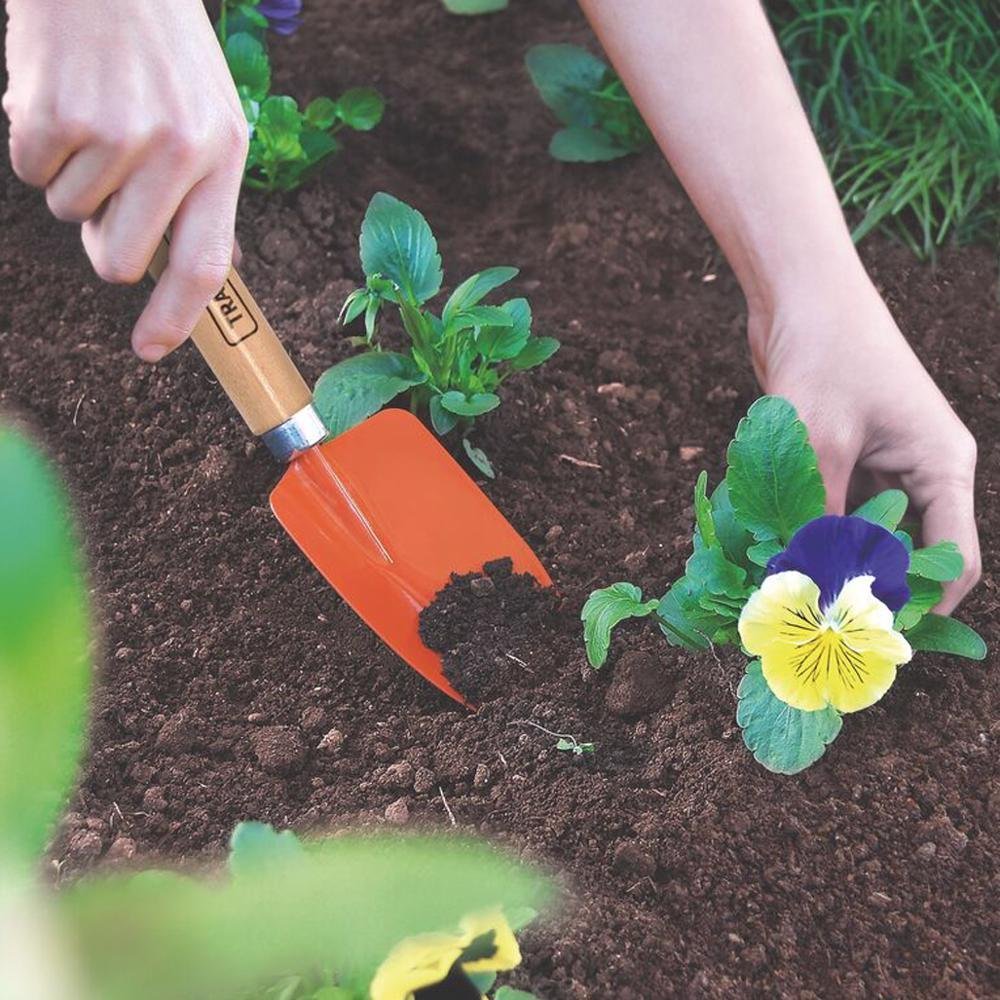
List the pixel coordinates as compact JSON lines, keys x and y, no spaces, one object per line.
{"x":437,"y":966}
{"x":283,"y":16}
{"x":822,"y":621}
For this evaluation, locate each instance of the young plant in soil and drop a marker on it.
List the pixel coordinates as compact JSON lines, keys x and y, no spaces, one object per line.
{"x":827,"y":606}
{"x":472,"y":8}
{"x":457,"y":360}
{"x":364,"y":911}
{"x":601,"y":121}
{"x":286,"y":144}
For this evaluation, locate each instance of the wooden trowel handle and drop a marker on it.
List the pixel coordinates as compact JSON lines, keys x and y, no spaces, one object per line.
{"x":249,"y":361}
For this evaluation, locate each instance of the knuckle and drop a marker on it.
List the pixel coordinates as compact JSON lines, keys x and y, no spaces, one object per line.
{"x":207,"y":274}
{"x":65,"y":207}
{"x":118,"y":267}
{"x":235,"y":138}
{"x":181,"y":144}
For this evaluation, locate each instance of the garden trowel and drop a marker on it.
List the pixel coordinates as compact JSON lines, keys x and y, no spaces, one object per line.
{"x":382,"y":511}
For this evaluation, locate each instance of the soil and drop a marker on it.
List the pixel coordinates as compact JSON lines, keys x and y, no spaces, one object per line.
{"x":234,"y":684}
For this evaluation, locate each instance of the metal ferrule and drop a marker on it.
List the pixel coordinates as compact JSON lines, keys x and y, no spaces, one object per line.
{"x":298,"y":433}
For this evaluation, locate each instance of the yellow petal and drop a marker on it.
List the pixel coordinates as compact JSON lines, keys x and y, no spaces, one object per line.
{"x":869,"y":650}
{"x":507,"y":954}
{"x":416,"y":962}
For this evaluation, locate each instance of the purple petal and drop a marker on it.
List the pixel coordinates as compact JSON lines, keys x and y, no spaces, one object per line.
{"x":282,"y":15}
{"x":831,"y":550}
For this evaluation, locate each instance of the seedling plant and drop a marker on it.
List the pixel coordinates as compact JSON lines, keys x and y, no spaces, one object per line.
{"x":600,"y":120}
{"x":565,"y":742}
{"x":471,"y":8}
{"x":457,"y":360}
{"x":362,"y":917}
{"x":287,"y":143}
{"x":827,"y":607}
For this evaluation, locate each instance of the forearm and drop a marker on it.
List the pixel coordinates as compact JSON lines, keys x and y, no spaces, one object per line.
{"x":711,"y":83}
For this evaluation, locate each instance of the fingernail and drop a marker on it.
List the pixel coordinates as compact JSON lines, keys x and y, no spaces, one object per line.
{"x":152,"y":352}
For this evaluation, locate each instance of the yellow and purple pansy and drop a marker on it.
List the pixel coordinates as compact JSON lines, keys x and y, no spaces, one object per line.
{"x":438,"y":966}
{"x":822,"y":620}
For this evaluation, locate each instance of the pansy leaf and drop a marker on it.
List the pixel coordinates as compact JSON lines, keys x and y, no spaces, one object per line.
{"x":939,"y":634}
{"x":684,"y":621}
{"x":733,"y":537}
{"x":886,"y":508}
{"x":480,"y":316}
{"x":357,"y":387}
{"x":566,"y":77}
{"x":479,"y":459}
{"x":253,"y":845}
{"x":321,"y":112}
{"x":519,"y":917}
{"x":937,"y":562}
{"x":441,"y":419}
{"x":360,"y":108}
{"x":472,"y":8}
{"x":924,"y":595}
{"x":509,"y":993}
{"x":474,"y":405}
{"x":606,"y":608}
{"x":500,"y":343}
{"x":249,"y":65}
{"x":774,"y":482}
{"x":906,"y":538}
{"x":398,"y":244}
{"x":709,"y":570}
{"x":762,"y":553}
{"x":474,"y":289}
{"x":585,"y":144}
{"x":785,"y":740}
{"x":703,"y":513}
{"x":483,"y":981}
{"x":535,"y":352}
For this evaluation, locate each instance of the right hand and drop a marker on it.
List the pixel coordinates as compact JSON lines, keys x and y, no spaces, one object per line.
{"x":124,"y":111}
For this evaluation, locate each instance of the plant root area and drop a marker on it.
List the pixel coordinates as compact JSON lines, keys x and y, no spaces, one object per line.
{"x":234,"y":684}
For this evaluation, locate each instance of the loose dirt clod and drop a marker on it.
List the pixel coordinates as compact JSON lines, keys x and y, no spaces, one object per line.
{"x":467,"y":615}
{"x":279,"y":749}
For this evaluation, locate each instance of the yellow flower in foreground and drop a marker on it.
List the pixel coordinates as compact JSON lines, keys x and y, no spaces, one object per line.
{"x":844,"y":655}
{"x":485,"y":944}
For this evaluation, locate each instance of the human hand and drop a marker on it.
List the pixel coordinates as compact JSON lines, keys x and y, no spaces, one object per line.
{"x":124,"y":111}
{"x":875,"y":416}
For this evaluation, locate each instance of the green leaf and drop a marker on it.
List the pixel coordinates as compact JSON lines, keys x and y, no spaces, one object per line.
{"x":773,"y":477}
{"x":941,"y":562}
{"x":483,"y":981}
{"x":481,"y":316}
{"x":733,"y":537}
{"x":886,"y":508}
{"x":397,"y":243}
{"x":939,"y":634}
{"x":703,"y":512}
{"x":44,"y":651}
{"x":710,"y":571}
{"x":441,"y":419}
{"x":279,"y":125}
{"x":509,"y":993}
{"x":500,"y":343}
{"x":785,"y":740}
{"x":685,"y":621}
{"x":354,"y":389}
{"x":360,"y":108}
{"x":249,"y":65}
{"x":535,"y":352}
{"x":905,"y":538}
{"x":474,"y":289}
{"x":321,"y":113}
{"x":924,"y":595}
{"x":566,"y":77}
{"x":519,"y":917}
{"x":606,"y":608}
{"x":585,"y":144}
{"x":253,"y":845}
{"x":479,"y":459}
{"x":762,"y":553}
{"x":474,"y":7}
{"x":316,"y":144}
{"x":469,"y":406}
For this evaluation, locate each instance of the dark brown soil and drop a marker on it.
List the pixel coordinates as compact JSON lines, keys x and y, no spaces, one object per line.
{"x":235,"y":685}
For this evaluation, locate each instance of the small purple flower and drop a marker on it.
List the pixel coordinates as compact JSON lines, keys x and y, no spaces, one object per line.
{"x":832,"y":550}
{"x":283,"y":16}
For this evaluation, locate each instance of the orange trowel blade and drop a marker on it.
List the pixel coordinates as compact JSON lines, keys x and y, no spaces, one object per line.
{"x":387,"y":515}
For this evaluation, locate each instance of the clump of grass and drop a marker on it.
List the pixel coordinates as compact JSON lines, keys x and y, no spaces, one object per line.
{"x":903,"y":95}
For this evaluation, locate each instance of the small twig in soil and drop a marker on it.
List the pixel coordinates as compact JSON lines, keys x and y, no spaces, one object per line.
{"x":447,"y":808}
{"x":579,"y":461}
{"x":519,"y":662}
{"x":79,"y":403}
